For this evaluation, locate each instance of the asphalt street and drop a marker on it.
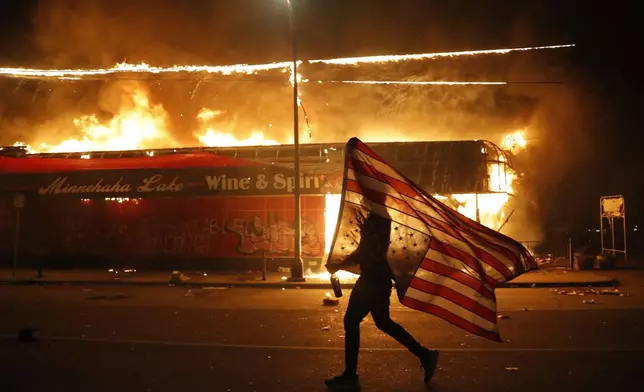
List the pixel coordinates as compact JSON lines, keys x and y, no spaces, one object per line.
{"x":173,"y":338}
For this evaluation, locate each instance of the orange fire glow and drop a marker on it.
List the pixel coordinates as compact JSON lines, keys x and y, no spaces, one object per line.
{"x":249,"y":69}
{"x":515,"y":141}
{"x":210,"y":137}
{"x":142,"y":125}
{"x":139,"y":125}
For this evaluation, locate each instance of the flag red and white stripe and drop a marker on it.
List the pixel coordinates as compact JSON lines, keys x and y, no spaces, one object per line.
{"x":443,"y":262}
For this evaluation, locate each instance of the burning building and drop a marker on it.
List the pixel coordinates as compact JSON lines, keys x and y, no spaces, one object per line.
{"x":215,"y":208}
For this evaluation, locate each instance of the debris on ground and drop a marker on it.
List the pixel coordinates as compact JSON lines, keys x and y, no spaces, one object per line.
{"x":588,"y":301}
{"x":326,"y":328}
{"x":328,"y":301}
{"x":591,"y":291}
{"x":177,"y":278}
{"x":512,"y":369}
{"x":502,"y":317}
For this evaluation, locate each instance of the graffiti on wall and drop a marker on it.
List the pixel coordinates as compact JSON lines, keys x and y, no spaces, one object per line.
{"x":204,"y":237}
{"x":274,"y":236}
{"x":200,"y":228}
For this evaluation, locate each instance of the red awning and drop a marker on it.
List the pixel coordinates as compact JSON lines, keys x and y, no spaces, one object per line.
{"x":35,"y":164}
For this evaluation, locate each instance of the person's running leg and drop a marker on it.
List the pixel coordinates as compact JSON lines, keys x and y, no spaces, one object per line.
{"x":357,"y":310}
{"x":382,"y":318}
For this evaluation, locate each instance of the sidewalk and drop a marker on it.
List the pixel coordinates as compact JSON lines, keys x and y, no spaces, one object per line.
{"x":547,"y":277}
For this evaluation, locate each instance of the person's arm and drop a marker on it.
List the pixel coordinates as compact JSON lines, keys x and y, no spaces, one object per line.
{"x":349,"y":264}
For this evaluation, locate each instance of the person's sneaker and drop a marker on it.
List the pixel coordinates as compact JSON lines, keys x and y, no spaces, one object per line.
{"x":343,"y":381}
{"x":428,"y":361}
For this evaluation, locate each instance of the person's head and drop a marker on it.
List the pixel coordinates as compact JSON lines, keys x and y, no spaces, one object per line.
{"x":374,"y":234}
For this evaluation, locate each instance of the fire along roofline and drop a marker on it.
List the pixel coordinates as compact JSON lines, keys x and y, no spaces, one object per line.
{"x":313,"y":149}
{"x":440,"y":167}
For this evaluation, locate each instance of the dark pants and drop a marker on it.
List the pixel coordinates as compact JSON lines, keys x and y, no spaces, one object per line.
{"x":372,"y":296}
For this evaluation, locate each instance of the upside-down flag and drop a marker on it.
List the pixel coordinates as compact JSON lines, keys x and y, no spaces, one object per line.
{"x":443,"y":263}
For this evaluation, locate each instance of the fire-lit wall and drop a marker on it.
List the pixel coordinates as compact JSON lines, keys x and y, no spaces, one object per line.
{"x":203,"y":232}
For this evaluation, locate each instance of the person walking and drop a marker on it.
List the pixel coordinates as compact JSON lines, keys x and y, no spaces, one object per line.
{"x":371,"y":294}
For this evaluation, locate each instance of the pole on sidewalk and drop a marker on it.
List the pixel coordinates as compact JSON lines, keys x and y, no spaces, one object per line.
{"x":264,"y":262}
{"x":297,"y":273}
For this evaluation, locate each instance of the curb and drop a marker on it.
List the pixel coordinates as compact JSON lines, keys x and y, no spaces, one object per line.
{"x":280,"y":285}
{"x":267,"y":285}
{"x":529,"y":285}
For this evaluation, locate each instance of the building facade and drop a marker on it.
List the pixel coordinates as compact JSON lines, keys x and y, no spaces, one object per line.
{"x":229,"y":219}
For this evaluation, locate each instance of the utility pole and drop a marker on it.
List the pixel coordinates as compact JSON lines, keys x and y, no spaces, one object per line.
{"x":297,"y":269}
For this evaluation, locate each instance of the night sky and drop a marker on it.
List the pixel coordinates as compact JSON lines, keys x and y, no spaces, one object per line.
{"x":595,"y":151}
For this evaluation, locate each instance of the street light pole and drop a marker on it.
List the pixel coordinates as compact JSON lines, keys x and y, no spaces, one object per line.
{"x":297,"y":273}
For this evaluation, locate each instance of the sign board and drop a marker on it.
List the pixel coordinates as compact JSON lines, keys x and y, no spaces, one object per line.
{"x":173,"y":182}
{"x":612,"y":206}
{"x":18,"y":200}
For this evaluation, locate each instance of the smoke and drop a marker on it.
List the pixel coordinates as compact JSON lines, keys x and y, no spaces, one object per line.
{"x":100,"y":33}
{"x":77,"y":33}
{"x":80,"y":33}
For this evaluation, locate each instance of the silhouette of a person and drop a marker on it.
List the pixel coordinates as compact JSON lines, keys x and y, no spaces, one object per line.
{"x":371,"y":294}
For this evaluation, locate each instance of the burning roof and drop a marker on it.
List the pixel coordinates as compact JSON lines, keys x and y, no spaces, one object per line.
{"x":443,"y":167}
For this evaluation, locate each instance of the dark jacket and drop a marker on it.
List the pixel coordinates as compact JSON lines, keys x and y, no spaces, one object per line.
{"x":371,"y":255}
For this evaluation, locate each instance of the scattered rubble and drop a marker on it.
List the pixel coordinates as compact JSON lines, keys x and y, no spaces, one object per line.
{"x":200,"y":292}
{"x":591,"y":291}
{"x":177,"y":278}
{"x":328,"y":301}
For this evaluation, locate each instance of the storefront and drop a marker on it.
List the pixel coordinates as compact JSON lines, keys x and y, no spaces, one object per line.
{"x":215,"y":208}
{"x":175,"y":211}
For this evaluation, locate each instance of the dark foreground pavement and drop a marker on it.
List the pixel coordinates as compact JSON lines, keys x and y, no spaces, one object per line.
{"x":169,"y":339}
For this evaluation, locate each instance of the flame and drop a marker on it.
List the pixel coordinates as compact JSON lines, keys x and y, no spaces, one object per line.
{"x":501,"y":177}
{"x":331,"y":212}
{"x":139,"y":125}
{"x":424,"y":56}
{"x":515,"y":141}
{"x":344,"y":276}
{"x":490,"y":207}
{"x":121,"y":68}
{"x":27,"y":147}
{"x":206,"y":114}
{"x":213,"y":138}
{"x":414,"y":83}
{"x":246,"y":69}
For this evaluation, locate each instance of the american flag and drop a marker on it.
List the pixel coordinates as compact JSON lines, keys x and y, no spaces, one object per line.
{"x":443,"y":263}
